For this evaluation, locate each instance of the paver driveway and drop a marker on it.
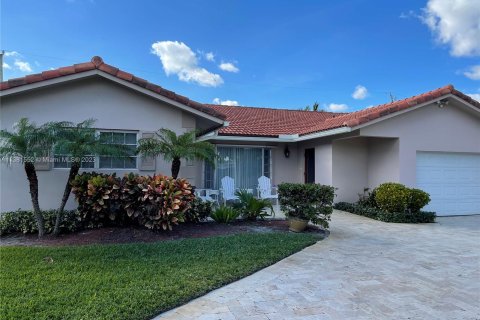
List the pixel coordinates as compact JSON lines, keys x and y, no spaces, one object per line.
{"x":366,"y":269}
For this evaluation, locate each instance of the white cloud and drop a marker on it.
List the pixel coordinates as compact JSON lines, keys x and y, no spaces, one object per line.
{"x":228,"y":66}
{"x":360,"y":92}
{"x":473,"y":72}
{"x":210,"y":56}
{"x":11,"y":54}
{"x":225,"y":102}
{"x":475,"y":96}
{"x":336,"y":107}
{"x":456,"y":23}
{"x":177,"y":58}
{"x":6,"y":66}
{"x":22,"y":65}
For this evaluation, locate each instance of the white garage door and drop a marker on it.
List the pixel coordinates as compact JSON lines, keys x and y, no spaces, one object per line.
{"x":452,"y":180}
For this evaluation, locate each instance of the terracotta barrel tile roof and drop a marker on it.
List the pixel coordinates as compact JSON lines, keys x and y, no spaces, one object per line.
{"x":250,"y":121}
{"x":97,"y":63}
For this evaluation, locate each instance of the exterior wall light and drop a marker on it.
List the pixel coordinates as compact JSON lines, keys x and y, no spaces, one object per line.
{"x":286,"y":152}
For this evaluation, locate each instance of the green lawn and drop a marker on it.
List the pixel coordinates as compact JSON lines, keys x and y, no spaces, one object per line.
{"x":130,"y":281}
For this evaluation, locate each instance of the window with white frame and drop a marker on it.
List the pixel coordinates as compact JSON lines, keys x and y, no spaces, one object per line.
{"x":244,"y":164}
{"x":129,"y":141}
{"x":125,"y":138}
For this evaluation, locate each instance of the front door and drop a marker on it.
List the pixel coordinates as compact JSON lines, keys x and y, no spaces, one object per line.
{"x":310,"y":165}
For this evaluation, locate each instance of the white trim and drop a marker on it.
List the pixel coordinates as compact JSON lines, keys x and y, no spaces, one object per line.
{"x":391,"y":115}
{"x":291,"y":138}
{"x":246,"y":146}
{"x":105,"y":75}
{"x":324,"y":133}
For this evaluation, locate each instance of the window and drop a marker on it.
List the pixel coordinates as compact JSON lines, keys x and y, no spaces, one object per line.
{"x":64,"y":160}
{"x":245,"y":165}
{"x":127,"y":139}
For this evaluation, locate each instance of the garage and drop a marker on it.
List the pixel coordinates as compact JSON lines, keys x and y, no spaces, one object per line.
{"x":452,"y":180}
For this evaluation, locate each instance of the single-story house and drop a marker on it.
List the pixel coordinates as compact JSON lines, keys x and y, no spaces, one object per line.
{"x":430,"y":141}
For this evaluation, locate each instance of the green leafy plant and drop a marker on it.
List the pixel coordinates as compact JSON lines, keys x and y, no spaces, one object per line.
{"x":417,"y":200}
{"x":199,"y":210}
{"x":312,"y":202}
{"x":251,"y":208}
{"x":392,"y":197}
{"x":345,"y":206}
{"x":165,"y":201}
{"x":174,"y":148}
{"x":98,"y":196}
{"x":395,"y":197}
{"x":224,"y":214}
{"x":23,"y":221}
{"x":407,"y":217}
{"x":131,"y":195}
{"x":367,"y":198}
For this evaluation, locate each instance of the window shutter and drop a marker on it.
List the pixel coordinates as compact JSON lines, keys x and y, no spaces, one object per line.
{"x":147,"y":163}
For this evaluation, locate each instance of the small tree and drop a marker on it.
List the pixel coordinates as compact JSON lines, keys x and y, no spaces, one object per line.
{"x":78,"y":141}
{"x":26,"y":143}
{"x":174,"y":148}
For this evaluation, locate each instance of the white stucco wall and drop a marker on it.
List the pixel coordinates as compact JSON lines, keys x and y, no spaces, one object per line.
{"x":454,"y":128}
{"x":114,"y":107}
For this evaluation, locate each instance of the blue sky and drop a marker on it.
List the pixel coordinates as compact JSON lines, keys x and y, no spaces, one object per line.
{"x":285,"y":54}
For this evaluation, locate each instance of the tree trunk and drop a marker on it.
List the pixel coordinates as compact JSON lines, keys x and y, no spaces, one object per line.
{"x":66,"y":194}
{"x":33,"y":184}
{"x":175,"y":167}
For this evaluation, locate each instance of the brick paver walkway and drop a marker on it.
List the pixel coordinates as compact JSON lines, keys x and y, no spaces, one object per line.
{"x":365,"y":270}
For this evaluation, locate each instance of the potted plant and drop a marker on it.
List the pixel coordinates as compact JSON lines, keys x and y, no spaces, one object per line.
{"x":304,"y":203}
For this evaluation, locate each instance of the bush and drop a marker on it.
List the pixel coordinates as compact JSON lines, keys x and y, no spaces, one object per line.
{"x":165,"y":201}
{"x":251,"y":208}
{"x":395,"y":197}
{"x":407,"y":217}
{"x":368,"y":212}
{"x":97,"y":195}
{"x":311,"y":202}
{"x":199,"y":210}
{"x":23,"y":221}
{"x":367,"y":198}
{"x":156,"y":202}
{"x":344,"y":206}
{"x":417,"y":200}
{"x":131,"y":195}
{"x":392,"y":197}
{"x":225,"y":214}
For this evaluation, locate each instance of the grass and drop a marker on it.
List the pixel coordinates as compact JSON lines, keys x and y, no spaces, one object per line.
{"x":130,"y":281}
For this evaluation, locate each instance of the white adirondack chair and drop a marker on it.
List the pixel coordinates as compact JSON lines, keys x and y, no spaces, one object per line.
{"x":207,"y":195}
{"x":228,"y":189}
{"x":265,"y":189}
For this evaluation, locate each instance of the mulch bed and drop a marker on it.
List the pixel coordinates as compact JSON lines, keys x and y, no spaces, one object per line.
{"x":135,"y":234}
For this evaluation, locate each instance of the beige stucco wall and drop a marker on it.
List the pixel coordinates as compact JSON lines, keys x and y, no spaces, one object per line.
{"x":350,"y":167}
{"x":383,"y":161}
{"x":114,"y":107}
{"x":454,"y":128}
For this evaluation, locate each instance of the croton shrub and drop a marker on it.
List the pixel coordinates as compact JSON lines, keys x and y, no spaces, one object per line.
{"x":155,"y":202}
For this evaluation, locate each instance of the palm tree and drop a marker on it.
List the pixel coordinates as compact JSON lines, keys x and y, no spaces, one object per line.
{"x":79,"y":141}
{"x":26,"y":143}
{"x":174,"y":148}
